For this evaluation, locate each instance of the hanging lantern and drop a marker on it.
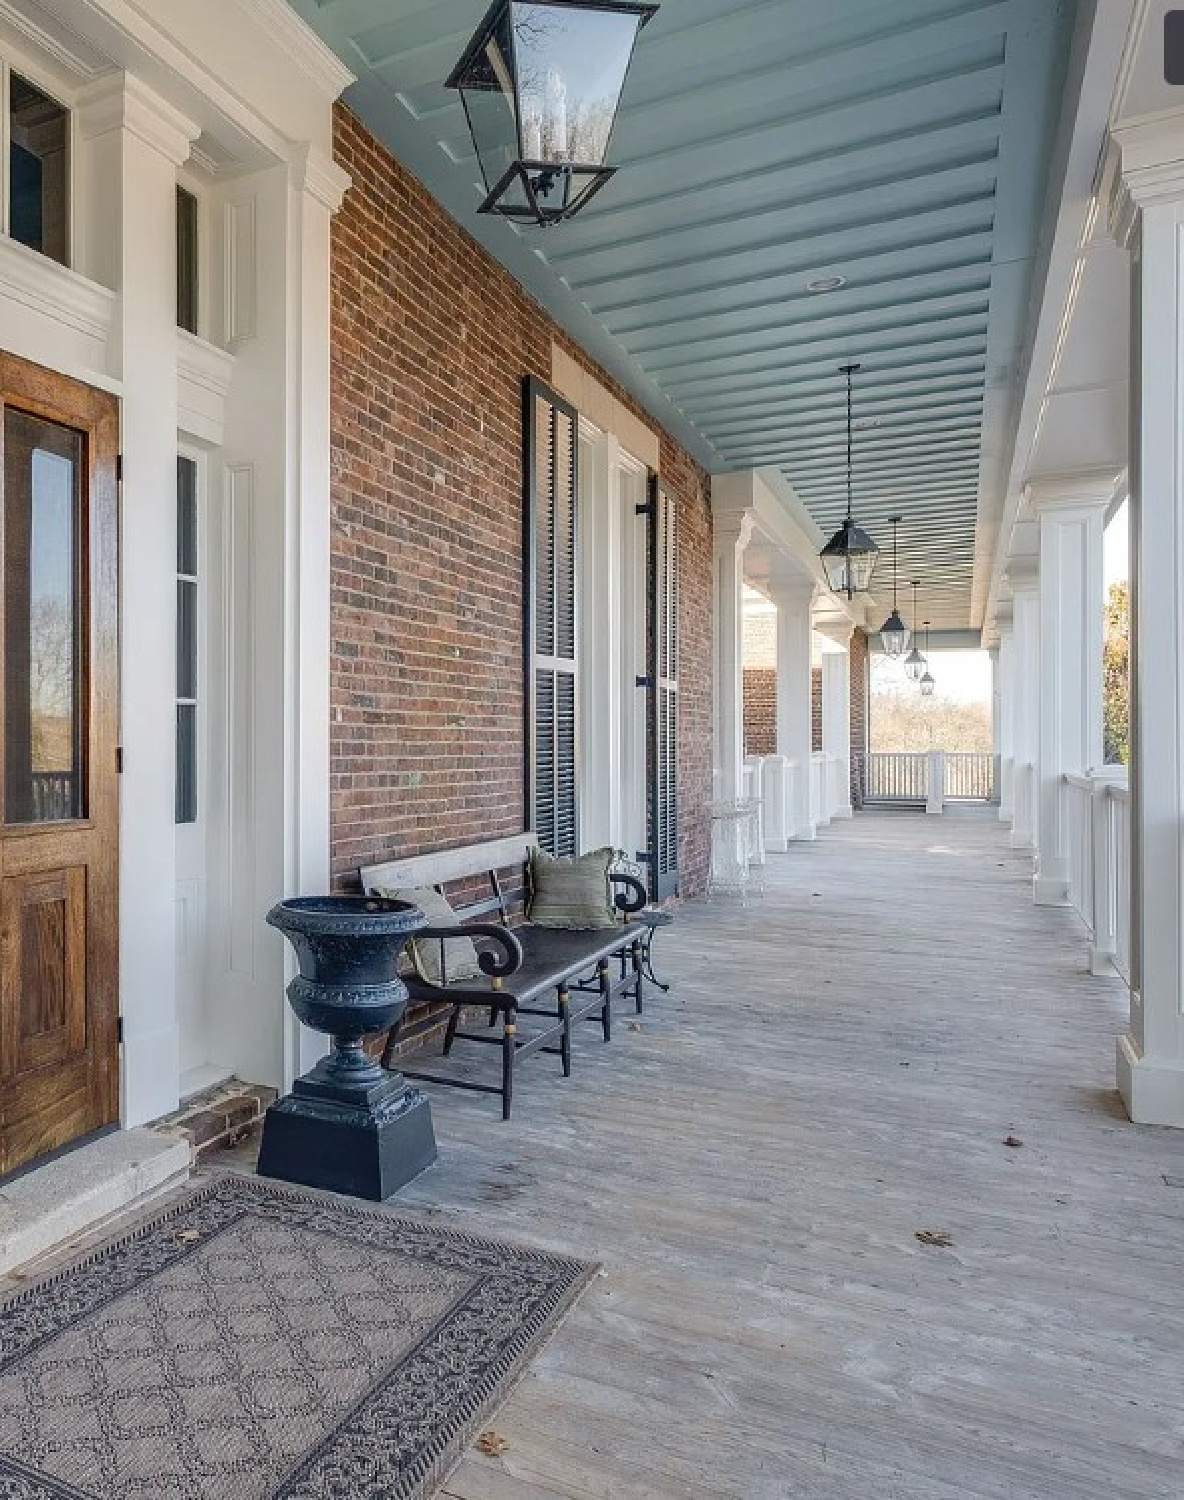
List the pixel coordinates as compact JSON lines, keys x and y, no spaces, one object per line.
{"x":894,"y":633}
{"x":850,"y":556}
{"x":928,"y":683}
{"x":915,"y":664}
{"x":541,"y":83}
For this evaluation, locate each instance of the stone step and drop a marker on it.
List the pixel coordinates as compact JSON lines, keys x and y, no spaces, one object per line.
{"x":75,"y":1193}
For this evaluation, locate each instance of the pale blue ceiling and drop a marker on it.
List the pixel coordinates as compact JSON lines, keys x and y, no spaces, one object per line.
{"x":901,"y":144}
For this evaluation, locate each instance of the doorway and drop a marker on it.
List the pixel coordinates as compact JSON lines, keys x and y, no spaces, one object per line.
{"x":59,"y":796}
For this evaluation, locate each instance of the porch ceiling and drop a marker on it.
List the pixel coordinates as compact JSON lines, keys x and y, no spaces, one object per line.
{"x":900,"y":144}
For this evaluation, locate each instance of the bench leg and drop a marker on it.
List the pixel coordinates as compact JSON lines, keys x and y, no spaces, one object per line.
{"x":565,"y":1040}
{"x":638,"y":975}
{"x":509,"y":1043}
{"x":450,"y":1034}
{"x":606,"y":989}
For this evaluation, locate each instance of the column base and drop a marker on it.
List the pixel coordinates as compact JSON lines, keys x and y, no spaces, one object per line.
{"x":843,"y":812}
{"x":1048,"y":890}
{"x":807,"y":834}
{"x":1152,"y":1092}
{"x":1101,"y":963}
{"x":1021,"y":840}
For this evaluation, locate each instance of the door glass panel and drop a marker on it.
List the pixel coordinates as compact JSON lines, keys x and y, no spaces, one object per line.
{"x":43,"y":731}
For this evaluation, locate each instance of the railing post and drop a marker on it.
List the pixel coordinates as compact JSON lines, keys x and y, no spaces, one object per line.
{"x":754,"y":790}
{"x":936,"y":785}
{"x":1105,"y":873}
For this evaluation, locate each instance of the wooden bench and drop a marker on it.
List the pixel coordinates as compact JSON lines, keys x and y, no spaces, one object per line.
{"x":523,"y":967}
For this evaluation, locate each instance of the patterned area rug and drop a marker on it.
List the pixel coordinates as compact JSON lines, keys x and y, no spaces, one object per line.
{"x":251,"y":1341}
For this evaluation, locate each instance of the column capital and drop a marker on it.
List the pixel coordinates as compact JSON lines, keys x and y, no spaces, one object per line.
{"x":123,"y":102}
{"x":314,"y":172}
{"x":1087,"y":489}
{"x":1144,"y":168}
{"x":1022,"y":574}
{"x":732,"y":528}
{"x":789,"y":593}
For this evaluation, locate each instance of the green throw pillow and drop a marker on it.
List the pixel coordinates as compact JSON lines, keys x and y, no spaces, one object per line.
{"x":460,"y":953}
{"x":571,"y":892}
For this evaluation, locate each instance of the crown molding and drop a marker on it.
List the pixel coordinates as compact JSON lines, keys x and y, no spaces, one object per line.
{"x":40,"y":284}
{"x":75,"y":56}
{"x":1143,"y":168}
{"x":1086,"y":489}
{"x":301,"y":46}
{"x":124,"y":102}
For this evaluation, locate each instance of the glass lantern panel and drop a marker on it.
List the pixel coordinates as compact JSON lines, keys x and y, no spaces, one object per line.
{"x":571,"y":70}
{"x":495,"y":132}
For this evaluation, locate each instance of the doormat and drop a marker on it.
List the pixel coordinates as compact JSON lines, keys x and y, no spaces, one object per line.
{"x":252,"y":1341}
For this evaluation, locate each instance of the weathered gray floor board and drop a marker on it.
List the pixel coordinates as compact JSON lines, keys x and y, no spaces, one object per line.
{"x":836,"y":1068}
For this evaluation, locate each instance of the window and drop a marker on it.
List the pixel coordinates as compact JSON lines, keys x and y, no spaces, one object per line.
{"x":187,"y":658}
{"x":38,"y":143}
{"x":187,"y":248}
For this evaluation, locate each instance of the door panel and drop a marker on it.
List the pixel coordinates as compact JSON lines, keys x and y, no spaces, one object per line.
{"x":59,"y":1051}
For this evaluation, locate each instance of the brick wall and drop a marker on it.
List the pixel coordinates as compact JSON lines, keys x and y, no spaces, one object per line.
{"x":816,"y":709}
{"x":431,"y":340}
{"x":760,"y":711}
{"x":860,"y":687}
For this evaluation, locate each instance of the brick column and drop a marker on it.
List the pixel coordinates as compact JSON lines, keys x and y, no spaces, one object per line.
{"x":860,"y":657}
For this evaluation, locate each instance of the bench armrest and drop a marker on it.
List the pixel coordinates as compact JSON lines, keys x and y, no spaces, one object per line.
{"x":496,"y":965}
{"x":633,"y":897}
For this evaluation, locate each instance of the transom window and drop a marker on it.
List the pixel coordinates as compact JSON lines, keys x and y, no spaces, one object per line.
{"x":37,"y":211}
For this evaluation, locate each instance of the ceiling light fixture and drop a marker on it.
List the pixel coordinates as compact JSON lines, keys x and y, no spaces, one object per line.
{"x":541,"y":83}
{"x":894,"y":633}
{"x":850,"y":556}
{"x":915,"y":665}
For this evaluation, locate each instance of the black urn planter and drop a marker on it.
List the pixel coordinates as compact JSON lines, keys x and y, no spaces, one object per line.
{"x":348,"y":1126}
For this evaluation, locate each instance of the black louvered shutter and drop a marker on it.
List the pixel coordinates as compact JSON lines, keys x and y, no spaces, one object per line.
{"x":663,"y":682}
{"x":551,"y":520}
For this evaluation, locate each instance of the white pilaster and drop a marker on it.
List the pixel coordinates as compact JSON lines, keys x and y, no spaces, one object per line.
{"x":1005,"y":695}
{"x":132,"y":143}
{"x":1071,"y":515}
{"x":794,"y":603}
{"x":732,"y":530}
{"x":1147,"y":214}
{"x":836,"y":729}
{"x":1025,"y":699}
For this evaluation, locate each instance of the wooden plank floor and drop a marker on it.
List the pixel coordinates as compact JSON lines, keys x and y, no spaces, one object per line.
{"x":835,"y":1069}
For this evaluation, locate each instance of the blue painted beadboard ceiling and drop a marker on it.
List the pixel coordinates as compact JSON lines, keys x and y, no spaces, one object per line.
{"x":900,"y":144}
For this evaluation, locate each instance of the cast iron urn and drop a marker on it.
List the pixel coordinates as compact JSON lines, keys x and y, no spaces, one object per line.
{"x":349,"y":1125}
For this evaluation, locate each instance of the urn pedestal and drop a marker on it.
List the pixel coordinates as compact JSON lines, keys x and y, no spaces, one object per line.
{"x":348,"y":1126}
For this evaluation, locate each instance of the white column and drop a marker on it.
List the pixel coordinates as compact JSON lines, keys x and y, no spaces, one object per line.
{"x":1005,"y":683}
{"x":795,"y":708}
{"x":1147,"y":214}
{"x":836,"y":728}
{"x":132,"y":144}
{"x":731,"y":534}
{"x":935,"y":783}
{"x":1025,"y":699}
{"x":1071,"y":515}
{"x":996,"y":724}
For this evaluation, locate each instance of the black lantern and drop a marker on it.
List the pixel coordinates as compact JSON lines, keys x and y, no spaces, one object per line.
{"x":541,"y":82}
{"x":915,"y":665}
{"x":928,"y":682}
{"x":894,"y":633}
{"x":850,"y":556}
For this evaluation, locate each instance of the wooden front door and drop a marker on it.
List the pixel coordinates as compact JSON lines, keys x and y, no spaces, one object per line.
{"x":59,"y":799}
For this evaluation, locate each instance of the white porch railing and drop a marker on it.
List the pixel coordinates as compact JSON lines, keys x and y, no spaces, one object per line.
{"x":1097,"y":822}
{"x":895,"y":776}
{"x":970,"y":776}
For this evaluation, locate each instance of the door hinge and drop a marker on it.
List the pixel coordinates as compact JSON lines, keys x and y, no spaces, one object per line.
{"x":119,"y":760}
{"x":645,"y":682}
{"x":119,"y":1030}
{"x":646,"y":509}
{"x":119,"y":468}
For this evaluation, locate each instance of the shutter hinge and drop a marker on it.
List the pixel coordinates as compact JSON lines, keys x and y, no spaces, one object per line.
{"x":645,"y":509}
{"x":119,"y":760}
{"x":119,"y":468}
{"x":119,"y":1030}
{"x":644,"y":682}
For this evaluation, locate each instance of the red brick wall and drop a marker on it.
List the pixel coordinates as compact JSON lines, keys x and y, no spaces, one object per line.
{"x":431,"y":341}
{"x":860,"y":687}
{"x":760,"y":710}
{"x":816,"y":709}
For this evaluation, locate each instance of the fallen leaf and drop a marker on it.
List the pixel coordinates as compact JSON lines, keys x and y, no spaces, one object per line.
{"x":938,"y":1237}
{"x":633,"y":1026}
{"x":1013,"y":1141}
{"x":492,"y":1443}
{"x":188,"y":1236}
